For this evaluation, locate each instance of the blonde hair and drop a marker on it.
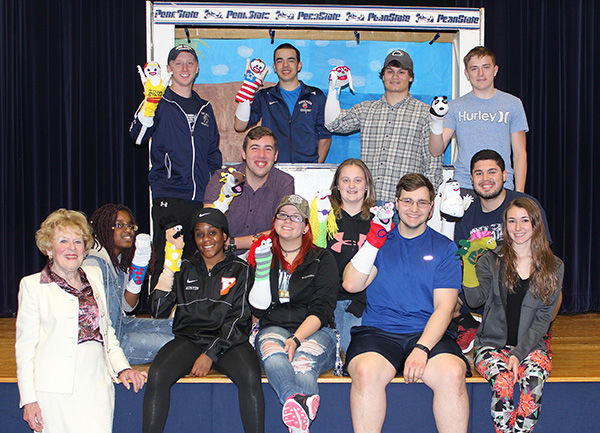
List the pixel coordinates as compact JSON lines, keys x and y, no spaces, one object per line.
{"x":370,"y":198}
{"x":63,"y":219}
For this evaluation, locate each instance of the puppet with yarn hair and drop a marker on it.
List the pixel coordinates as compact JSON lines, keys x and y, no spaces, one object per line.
{"x":154,"y":88}
{"x":322,"y":219}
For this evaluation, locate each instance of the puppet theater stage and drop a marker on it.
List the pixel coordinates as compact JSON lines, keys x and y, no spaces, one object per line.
{"x":570,"y":401}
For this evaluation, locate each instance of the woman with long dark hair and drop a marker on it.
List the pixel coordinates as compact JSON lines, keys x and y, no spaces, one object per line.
{"x":520,"y":284}
{"x":294,"y":297}
{"x":123,"y":254}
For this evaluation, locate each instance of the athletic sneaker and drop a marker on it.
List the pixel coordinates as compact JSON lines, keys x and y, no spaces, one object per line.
{"x":298,"y":411}
{"x":466,"y":338}
{"x":465,"y":326}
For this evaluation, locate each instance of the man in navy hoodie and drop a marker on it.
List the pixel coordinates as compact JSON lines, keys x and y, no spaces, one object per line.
{"x":184,"y":151}
{"x":291,"y":109}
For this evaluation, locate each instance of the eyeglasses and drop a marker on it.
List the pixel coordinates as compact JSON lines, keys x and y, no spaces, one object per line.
{"x":408,"y":202}
{"x":281,"y":216}
{"x":121,"y":226}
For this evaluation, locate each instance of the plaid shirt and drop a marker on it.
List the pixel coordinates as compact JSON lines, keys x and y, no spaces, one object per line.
{"x":89,"y":315}
{"x":394,"y":141}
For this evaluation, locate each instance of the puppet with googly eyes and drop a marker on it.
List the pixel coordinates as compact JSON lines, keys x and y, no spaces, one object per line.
{"x":256,"y":70}
{"x":154,"y":88}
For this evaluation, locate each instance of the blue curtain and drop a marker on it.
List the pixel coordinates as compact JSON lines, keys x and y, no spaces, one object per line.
{"x":546,"y":53}
{"x":69,"y":89}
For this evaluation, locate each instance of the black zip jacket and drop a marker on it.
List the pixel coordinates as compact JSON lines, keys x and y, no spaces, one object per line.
{"x":212,"y":307}
{"x":183,"y":158}
{"x":312,"y":289}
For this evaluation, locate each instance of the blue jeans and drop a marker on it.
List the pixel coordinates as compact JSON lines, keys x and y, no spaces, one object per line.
{"x":315,"y":355}
{"x":140,"y":338}
{"x":344,"y":321}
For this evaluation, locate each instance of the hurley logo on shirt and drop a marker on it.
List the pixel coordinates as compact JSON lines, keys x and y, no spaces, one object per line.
{"x":226,"y":284}
{"x":497,"y":117}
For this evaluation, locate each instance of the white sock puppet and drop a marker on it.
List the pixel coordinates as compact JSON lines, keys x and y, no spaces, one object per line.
{"x":381,"y":226}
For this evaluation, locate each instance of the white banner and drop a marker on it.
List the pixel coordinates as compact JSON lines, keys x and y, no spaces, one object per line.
{"x":222,"y":14}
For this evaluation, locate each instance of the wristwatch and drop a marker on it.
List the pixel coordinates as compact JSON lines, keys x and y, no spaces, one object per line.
{"x":231,"y":246}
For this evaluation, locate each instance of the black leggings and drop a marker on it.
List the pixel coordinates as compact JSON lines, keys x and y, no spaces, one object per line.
{"x":177,"y":358}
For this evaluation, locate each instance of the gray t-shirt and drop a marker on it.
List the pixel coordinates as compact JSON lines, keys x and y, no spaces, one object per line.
{"x":484,"y":124}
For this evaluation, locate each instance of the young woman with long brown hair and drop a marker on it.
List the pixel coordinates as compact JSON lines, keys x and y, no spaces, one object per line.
{"x":520,"y":284}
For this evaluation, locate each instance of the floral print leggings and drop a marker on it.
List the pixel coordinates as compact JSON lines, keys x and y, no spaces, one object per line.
{"x":492,"y":364}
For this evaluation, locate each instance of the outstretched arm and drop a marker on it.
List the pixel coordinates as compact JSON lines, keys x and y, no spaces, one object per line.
{"x":438,"y":143}
{"x":360,"y":272}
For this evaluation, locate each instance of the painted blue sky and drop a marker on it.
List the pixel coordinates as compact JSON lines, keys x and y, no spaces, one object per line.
{"x":224,"y":60}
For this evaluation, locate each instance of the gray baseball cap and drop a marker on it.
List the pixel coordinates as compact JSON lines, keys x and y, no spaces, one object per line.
{"x":401,"y":57}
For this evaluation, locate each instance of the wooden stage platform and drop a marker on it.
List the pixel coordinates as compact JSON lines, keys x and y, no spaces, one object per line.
{"x":575,"y":346}
{"x":570,"y":402}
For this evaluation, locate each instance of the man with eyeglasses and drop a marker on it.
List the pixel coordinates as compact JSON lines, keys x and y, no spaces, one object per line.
{"x":394,"y":130}
{"x":412,"y":280}
{"x":251,"y":213}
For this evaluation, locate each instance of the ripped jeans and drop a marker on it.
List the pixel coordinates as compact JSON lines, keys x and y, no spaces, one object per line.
{"x":315,"y":355}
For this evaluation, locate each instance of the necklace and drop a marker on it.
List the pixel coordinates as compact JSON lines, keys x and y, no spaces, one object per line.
{"x":291,"y":251}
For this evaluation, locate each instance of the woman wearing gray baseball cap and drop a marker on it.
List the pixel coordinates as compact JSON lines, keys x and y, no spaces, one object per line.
{"x":294,"y":296}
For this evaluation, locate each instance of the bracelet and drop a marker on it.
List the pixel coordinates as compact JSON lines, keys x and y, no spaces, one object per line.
{"x":295,"y":340}
{"x":422,"y":347}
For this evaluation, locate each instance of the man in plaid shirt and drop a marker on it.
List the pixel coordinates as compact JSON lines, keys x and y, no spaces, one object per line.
{"x":394,"y":129}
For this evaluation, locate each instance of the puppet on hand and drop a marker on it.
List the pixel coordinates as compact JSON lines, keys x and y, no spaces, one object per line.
{"x":339,"y":77}
{"x":451,"y":202}
{"x":322,"y":219}
{"x":154,"y":89}
{"x":256,"y":70}
{"x":233,"y":185}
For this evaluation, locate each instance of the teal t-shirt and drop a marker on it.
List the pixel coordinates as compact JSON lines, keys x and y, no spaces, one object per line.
{"x":290,"y":97}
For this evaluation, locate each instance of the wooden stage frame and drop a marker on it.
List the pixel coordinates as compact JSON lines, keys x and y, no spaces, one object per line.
{"x":575,"y":346}
{"x":570,"y":398}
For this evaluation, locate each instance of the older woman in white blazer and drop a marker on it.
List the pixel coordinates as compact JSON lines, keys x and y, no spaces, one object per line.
{"x":66,"y":349}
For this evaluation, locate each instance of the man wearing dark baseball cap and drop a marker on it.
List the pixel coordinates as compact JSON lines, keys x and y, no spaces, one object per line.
{"x":181,"y":48}
{"x":394,"y":129}
{"x":184,"y":152}
{"x":401,"y":59}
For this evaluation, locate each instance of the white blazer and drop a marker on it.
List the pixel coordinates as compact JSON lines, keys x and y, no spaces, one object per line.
{"x":47,"y":335}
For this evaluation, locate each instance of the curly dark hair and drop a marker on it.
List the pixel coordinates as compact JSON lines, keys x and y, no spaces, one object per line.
{"x":102,"y":221}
